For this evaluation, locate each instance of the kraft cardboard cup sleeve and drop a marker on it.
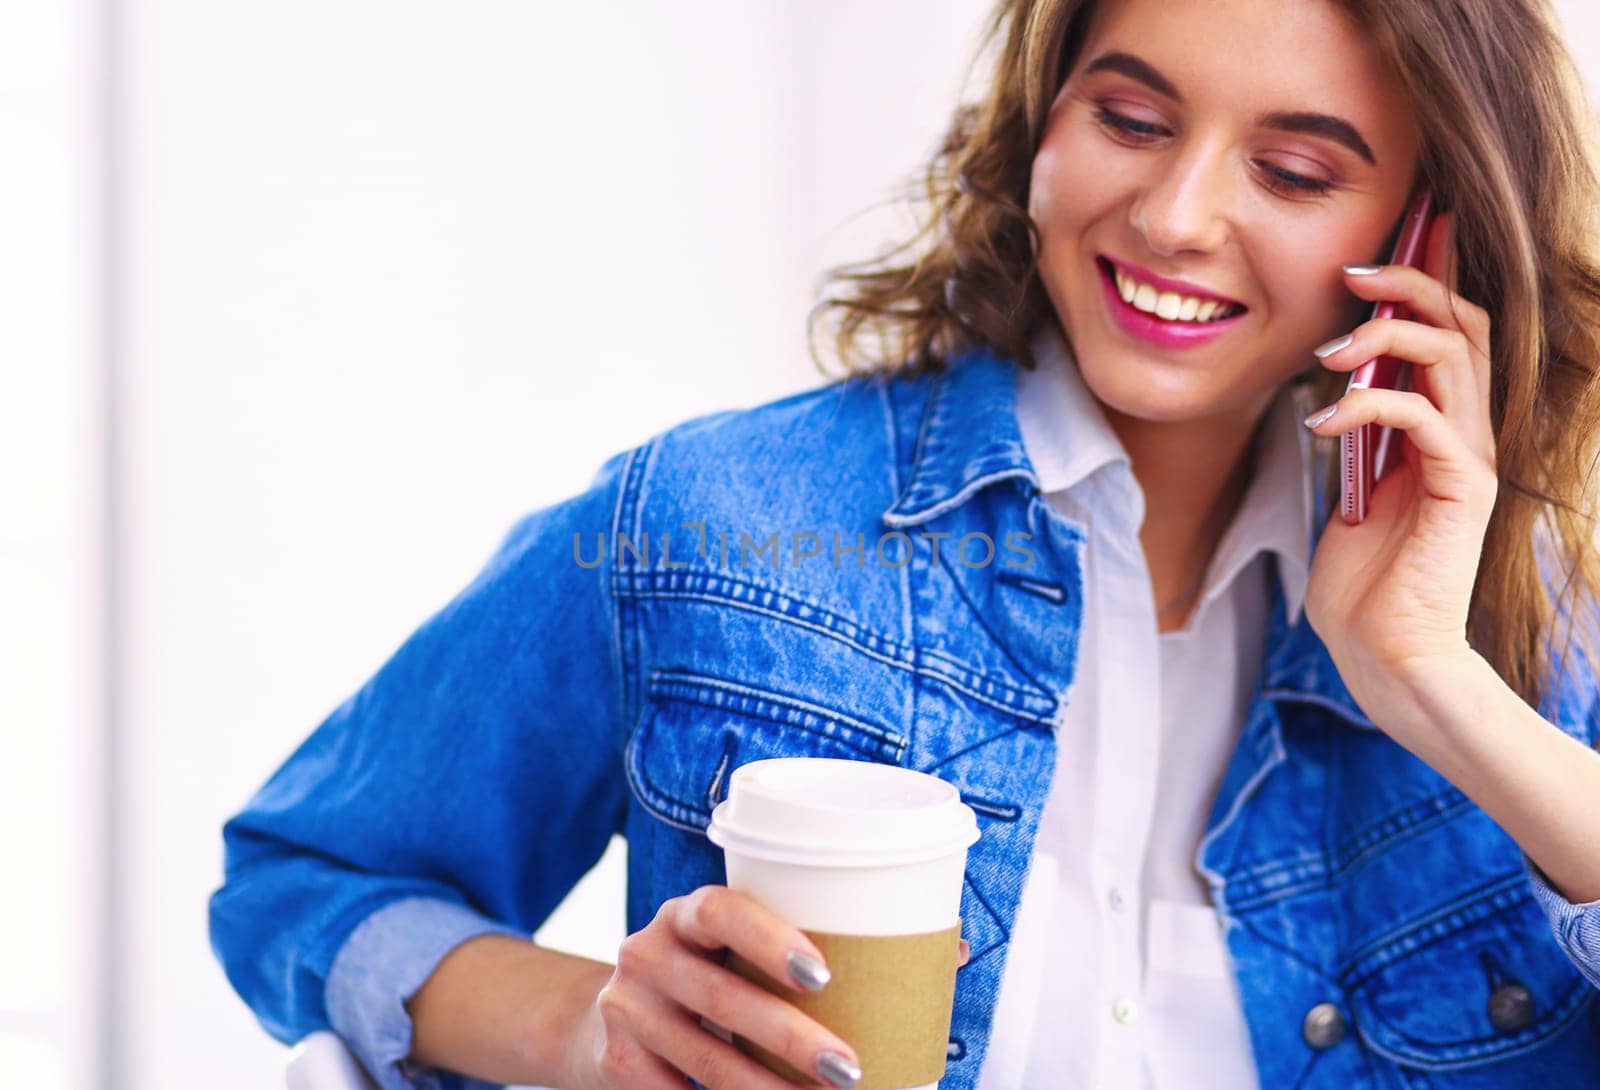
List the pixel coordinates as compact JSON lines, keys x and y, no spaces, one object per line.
{"x":866,"y":859}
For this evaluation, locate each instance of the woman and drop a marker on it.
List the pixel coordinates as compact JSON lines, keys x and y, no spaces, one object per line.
{"x":1058,"y":553}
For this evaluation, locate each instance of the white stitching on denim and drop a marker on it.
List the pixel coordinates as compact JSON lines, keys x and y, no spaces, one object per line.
{"x":674,"y":684}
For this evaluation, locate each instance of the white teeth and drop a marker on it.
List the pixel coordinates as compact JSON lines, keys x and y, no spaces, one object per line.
{"x":1168,"y":305}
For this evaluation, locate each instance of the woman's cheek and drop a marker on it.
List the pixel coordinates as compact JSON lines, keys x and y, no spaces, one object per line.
{"x":1310,"y":291}
{"x":1045,"y":198}
{"x":1069,"y":180}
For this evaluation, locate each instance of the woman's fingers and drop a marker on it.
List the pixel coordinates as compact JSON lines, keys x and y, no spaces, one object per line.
{"x":1451,"y":470}
{"x":1432,"y":302}
{"x":629,"y":1062}
{"x":1425,"y":345}
{"x":740,"y":1006}
{"x":671,"y":1007}
{"x":1451,"y":380}
{"x":1428,"y":298}
{"x":716,"y":917}
{"x":677,"y":1037}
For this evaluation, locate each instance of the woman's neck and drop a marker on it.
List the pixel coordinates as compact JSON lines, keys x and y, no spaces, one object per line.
{"x":1193,"y":475}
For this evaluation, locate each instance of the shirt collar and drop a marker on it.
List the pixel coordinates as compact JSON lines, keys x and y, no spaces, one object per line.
{"x":1277,"y":511}
{"x":1064,"y":430}
{"x":970,"y":438}
{"x":1068,"y":438}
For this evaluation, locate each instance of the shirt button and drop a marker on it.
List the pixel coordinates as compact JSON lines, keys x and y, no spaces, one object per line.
{"x":1118,"y":901}
{"x":1323,"y":1026}
{"x":1124,"y":1011}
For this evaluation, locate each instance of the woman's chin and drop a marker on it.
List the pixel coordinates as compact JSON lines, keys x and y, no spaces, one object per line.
{"x":1157,"y":393}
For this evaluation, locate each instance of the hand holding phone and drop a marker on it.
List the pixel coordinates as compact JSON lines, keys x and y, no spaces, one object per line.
{"x":1368,"y":452}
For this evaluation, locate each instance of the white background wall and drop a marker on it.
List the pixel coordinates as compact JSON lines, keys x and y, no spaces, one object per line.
{"x":395,"y":274}
{"x":375,"y":279}
{"x":52,"y":791}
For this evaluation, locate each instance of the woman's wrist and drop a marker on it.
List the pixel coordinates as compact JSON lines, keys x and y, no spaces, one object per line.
{"x":504,"y":1010}
{"x":1539,"y":784}
{"x":1415,"y":700}
{"x":1447,"y":711}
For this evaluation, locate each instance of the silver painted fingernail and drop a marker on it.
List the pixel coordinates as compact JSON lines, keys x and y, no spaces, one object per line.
{"x":1362,"y":270}
{"x":1321,"y":416}
{"x":836,"y":1069}
{"x":1323,"y":351}
{"x":807,"y":971}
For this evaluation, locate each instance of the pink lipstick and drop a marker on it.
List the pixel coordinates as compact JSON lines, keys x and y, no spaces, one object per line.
{"x":1159,"y":331}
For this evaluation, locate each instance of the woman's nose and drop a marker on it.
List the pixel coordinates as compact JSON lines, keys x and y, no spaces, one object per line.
{"x":1184,"y":208}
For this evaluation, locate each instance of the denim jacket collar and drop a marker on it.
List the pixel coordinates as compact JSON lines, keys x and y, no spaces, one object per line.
{"x":1298,"y":668}
{"x":970,"y":439}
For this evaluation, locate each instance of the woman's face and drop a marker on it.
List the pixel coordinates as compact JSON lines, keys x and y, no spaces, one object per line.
{"x":1243,"y":147}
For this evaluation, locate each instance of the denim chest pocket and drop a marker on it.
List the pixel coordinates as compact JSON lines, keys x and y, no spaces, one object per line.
{"x":1478,"y":995}
{"x":695,"y":729}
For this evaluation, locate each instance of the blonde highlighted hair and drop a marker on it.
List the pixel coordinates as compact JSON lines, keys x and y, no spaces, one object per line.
{"x":1508,"y":147}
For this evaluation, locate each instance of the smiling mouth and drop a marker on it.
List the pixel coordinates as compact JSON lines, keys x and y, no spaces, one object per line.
{"x":1169,"y":306}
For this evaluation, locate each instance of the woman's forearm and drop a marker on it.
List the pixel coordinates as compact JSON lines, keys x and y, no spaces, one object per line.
{"x":1540,"y":785}
{"x":503,"y":1009}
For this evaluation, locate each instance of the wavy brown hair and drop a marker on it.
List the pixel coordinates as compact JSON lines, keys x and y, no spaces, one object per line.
{"x":1508,"y":146}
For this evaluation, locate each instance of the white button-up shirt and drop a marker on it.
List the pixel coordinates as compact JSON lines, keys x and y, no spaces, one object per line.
{"x":1118,"y":976}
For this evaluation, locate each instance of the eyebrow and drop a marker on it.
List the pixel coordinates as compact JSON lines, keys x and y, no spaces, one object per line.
{"x":1305,"y":122}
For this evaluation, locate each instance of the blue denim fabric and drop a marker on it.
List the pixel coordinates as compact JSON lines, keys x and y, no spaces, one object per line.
{"x":382,"y":964}
{"x":563,"y":697}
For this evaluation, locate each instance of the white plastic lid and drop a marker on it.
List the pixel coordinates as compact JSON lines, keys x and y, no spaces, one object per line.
{"x":824,"y":811}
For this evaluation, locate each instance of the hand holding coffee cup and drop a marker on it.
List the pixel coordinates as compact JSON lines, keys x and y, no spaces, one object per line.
{"x":866,"y":860}
{"x":643,"y":1030}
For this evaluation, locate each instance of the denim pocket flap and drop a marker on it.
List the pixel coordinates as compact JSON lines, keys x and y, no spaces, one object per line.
{"x":1474,"y":984}
{"x":695,"y":730}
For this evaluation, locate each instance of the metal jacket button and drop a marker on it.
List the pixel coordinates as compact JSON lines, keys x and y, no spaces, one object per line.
{"x":1510,"y":1007}
{"x":1323,"y":1026}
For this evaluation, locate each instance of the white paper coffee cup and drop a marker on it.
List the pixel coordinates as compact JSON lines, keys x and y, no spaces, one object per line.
{"x":848,"y":852}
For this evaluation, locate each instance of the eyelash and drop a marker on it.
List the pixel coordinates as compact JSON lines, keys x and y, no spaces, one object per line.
{"x":1282,"y":178}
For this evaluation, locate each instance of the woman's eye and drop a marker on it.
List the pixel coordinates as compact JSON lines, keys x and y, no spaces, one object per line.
{"x":1296,"y":182}
{"x":1126,"y":124}
{"x":1279,"y":180}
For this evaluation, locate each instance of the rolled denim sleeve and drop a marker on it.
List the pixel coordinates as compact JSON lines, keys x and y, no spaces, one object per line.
{"x":1576,"y":926}
{"x":1572,"y":703}
{"x":383,"y":963}
{"x":465,"y":787}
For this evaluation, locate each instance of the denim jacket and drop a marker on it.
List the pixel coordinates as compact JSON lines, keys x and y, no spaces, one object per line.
{"x":869,"y":571}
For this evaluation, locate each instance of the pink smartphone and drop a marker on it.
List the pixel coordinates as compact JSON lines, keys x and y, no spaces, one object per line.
{"x":1367,"y":453}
